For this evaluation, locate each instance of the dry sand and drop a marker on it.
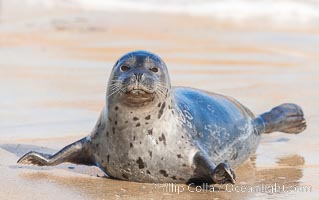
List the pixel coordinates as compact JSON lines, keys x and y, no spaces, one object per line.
{"x":54,"y":70}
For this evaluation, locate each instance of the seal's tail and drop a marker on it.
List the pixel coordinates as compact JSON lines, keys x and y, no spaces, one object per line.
{"x":287,"y":118}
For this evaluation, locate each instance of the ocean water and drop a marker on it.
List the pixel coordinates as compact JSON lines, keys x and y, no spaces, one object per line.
{"x":276,"y":11}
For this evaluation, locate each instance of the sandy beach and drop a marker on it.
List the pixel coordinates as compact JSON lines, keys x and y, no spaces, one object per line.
{"x":54,"y":67}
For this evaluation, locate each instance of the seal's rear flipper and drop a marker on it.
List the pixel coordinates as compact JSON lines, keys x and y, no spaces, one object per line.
{"x":206,"y":172}
{"x":76,"y":152}
{"x":287,"y":118}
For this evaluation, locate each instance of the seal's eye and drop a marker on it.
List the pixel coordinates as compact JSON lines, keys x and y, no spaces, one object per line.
{"x":154,"y":69}
{"x":124,"y":68}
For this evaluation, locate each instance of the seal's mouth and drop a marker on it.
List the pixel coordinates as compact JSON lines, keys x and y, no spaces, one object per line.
{"x":138,"y":96}
{"x":138,"y":92}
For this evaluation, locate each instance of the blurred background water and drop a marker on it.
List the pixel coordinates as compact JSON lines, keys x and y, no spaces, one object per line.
{"x":276,"y":11}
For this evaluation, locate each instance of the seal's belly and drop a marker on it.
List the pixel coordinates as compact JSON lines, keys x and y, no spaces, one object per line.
{"x":148,"y":153}
{"x":220,"y":125}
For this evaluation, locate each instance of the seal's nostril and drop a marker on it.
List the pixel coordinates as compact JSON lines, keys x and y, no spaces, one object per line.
{"x":142,"y":77}
{"x":139,"y":76}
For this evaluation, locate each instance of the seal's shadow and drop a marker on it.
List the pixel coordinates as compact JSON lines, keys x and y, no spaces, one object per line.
{"x":20,"y":149}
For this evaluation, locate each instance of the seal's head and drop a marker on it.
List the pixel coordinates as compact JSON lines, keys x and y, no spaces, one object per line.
{"x":139,"y":78}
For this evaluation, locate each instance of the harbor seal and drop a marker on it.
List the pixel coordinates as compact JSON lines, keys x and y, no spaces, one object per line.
{"x":149,"y":131}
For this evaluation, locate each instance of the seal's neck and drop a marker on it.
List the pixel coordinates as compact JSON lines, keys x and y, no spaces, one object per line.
{"x":122,"y":115}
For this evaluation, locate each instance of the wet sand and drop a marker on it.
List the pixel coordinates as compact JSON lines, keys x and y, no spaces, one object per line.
{"x":54,"y":70}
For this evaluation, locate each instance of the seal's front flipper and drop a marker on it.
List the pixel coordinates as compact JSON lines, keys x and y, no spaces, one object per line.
{"x":206,"y":172}
{"x":223,"y":174}
{"x":34,"y":158}
{"x":76,"y":152}
{"x":287,"y":118}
